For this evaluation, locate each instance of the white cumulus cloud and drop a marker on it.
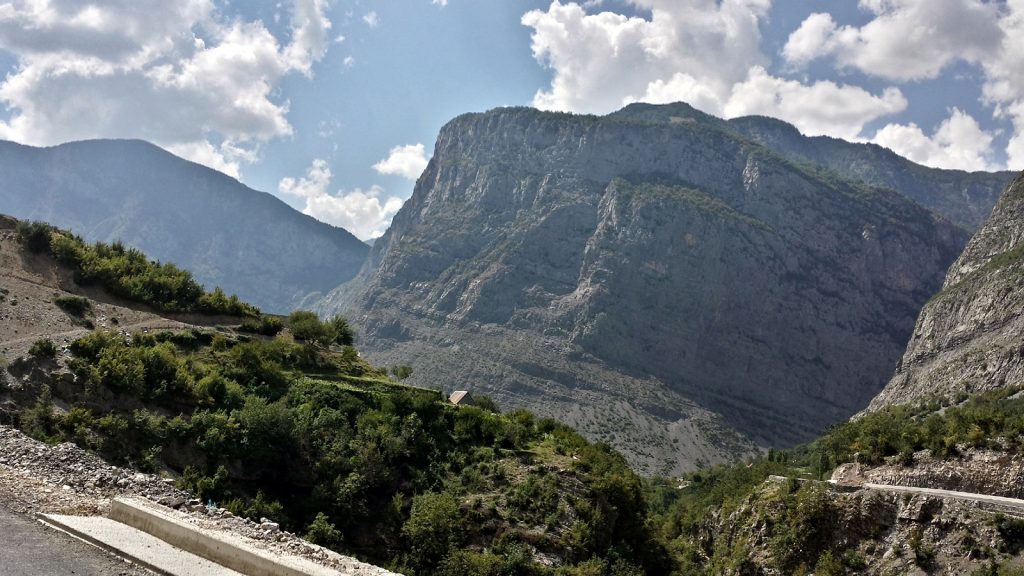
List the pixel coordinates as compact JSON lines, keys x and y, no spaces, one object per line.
{"x":820,"y":108}
{"x":174,"y":73}
{"x":918,"y":39}
{"x":905,"y":40}
{"x":603,"y":60}
{"x":958,"y":143}
{"x":364,"y":213}
{"x":407,"y":161}
{"x":704,"y":52}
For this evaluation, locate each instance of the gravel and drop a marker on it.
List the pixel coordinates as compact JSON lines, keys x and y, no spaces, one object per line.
{"x":64,"y":479}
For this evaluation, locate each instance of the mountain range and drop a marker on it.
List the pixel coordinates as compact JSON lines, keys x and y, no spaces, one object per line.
{"x":229,"y":235}
{"x":686,"y":288}
{"x":683,"y":287}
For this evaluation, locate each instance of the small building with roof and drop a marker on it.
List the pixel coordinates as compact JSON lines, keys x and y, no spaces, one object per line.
{"x":462,"y":398}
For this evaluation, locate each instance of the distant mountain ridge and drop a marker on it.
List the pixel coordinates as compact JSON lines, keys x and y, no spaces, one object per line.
{"x":966,"y":198}
{"x":229,"y":235}
{"x":664,"y":283}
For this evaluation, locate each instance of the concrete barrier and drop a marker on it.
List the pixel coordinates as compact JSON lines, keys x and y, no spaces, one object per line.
{"x":172,"y":527}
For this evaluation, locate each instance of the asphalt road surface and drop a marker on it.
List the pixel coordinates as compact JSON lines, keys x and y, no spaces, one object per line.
{"x":28,"y":548}
{"x":1002,"y":500}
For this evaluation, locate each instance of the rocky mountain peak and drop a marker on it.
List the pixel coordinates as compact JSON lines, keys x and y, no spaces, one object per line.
{"x":672,"y":287}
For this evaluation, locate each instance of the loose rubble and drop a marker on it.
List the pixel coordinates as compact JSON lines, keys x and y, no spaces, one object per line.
{"x":64,"y":479}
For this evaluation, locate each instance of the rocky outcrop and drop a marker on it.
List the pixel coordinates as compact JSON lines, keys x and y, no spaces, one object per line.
{"x":869,"y":532}
{"x":228,"y":235}
{"x":996,"y":473}
{"x":660,"y":285}
{"x":968,"y":337}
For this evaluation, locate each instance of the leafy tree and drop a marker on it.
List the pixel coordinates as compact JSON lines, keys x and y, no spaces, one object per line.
{"x":401,"y":371}
{"x":433,"y":528}
{"x":306,"y":325}
{"x":343,"y":332}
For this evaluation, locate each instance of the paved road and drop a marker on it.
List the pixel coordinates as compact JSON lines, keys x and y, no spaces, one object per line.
{"x":27,"y":548}
{"x":1013,"y":502}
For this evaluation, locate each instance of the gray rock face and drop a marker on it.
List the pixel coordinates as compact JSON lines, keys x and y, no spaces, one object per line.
{"x":671,"y":287}
{"x":965,"y":198}
{"x":968,"y":338}
{"x":227,"y":234}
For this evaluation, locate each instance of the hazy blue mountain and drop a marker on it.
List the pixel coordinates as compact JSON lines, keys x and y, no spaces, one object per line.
{"x":227,"y":234}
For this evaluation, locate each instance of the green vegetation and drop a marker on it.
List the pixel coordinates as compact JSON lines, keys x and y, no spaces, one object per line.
{"x":649,"y":191}
{"x":800,"y":518}
{"x":401,"y":371}
{"x":43,"y":348}
{"x":75,"y":306}
{"x":264,"y":325}
{"x":307,"y":326}
{"x":128,"y":273}
{"x":310,"y":435}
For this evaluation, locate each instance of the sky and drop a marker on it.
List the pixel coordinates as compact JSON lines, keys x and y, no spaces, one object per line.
{"x":334,"y":105}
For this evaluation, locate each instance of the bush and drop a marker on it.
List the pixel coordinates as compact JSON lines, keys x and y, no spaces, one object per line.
{"x":128,"y":273}
{"x":433,"y":528}
{"x":34,"y":235}
{"x":264,"y":326}
{"x":43,"y":348}
{"x":321,"y":531}
{"x":73,"y":305}
{"x":307,"y":326}
{"x":401,"y":371}
{"x":1011,"y":530}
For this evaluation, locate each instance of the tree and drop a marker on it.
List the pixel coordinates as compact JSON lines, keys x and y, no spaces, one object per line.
{"x":401,"y":371}
{"x":343,"y":333}
{"x":433,"y":528}
{"x":307,"y":326}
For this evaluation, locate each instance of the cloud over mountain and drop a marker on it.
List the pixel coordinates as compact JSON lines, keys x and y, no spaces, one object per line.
{"x":179,"y":74}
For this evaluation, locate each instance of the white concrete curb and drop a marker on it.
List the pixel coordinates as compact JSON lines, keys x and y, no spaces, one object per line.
{"x":172,"y":527}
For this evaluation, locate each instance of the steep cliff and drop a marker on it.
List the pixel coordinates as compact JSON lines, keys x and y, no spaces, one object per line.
{"x":245,"y":241}
{"x":968,"y":338}
{"x":660,"y":285}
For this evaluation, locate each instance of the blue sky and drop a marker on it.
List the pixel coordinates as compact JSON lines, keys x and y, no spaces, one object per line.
{"x":334,"y":105}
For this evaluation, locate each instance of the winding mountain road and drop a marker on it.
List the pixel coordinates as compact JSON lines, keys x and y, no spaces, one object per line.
{"x":28,"y":548}
{"x":1015,"y":503}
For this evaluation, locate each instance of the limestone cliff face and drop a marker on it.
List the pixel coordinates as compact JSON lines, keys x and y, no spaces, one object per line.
{"x":968,"y":338}
{"x":660,"y":285}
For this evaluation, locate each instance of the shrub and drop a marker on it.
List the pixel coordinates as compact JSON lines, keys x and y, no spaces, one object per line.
{"x":34,"y":235}
{"x":265,"y":326}
{"x":307,"y":325}
{"x":39,"y":421}
{"x":401,"y":371}
{"x":321,"y":531}
{"x":128,"y":273}
{"x":43,"y":348}
{"x":73,"y":305}
{"x":433,"y":528}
